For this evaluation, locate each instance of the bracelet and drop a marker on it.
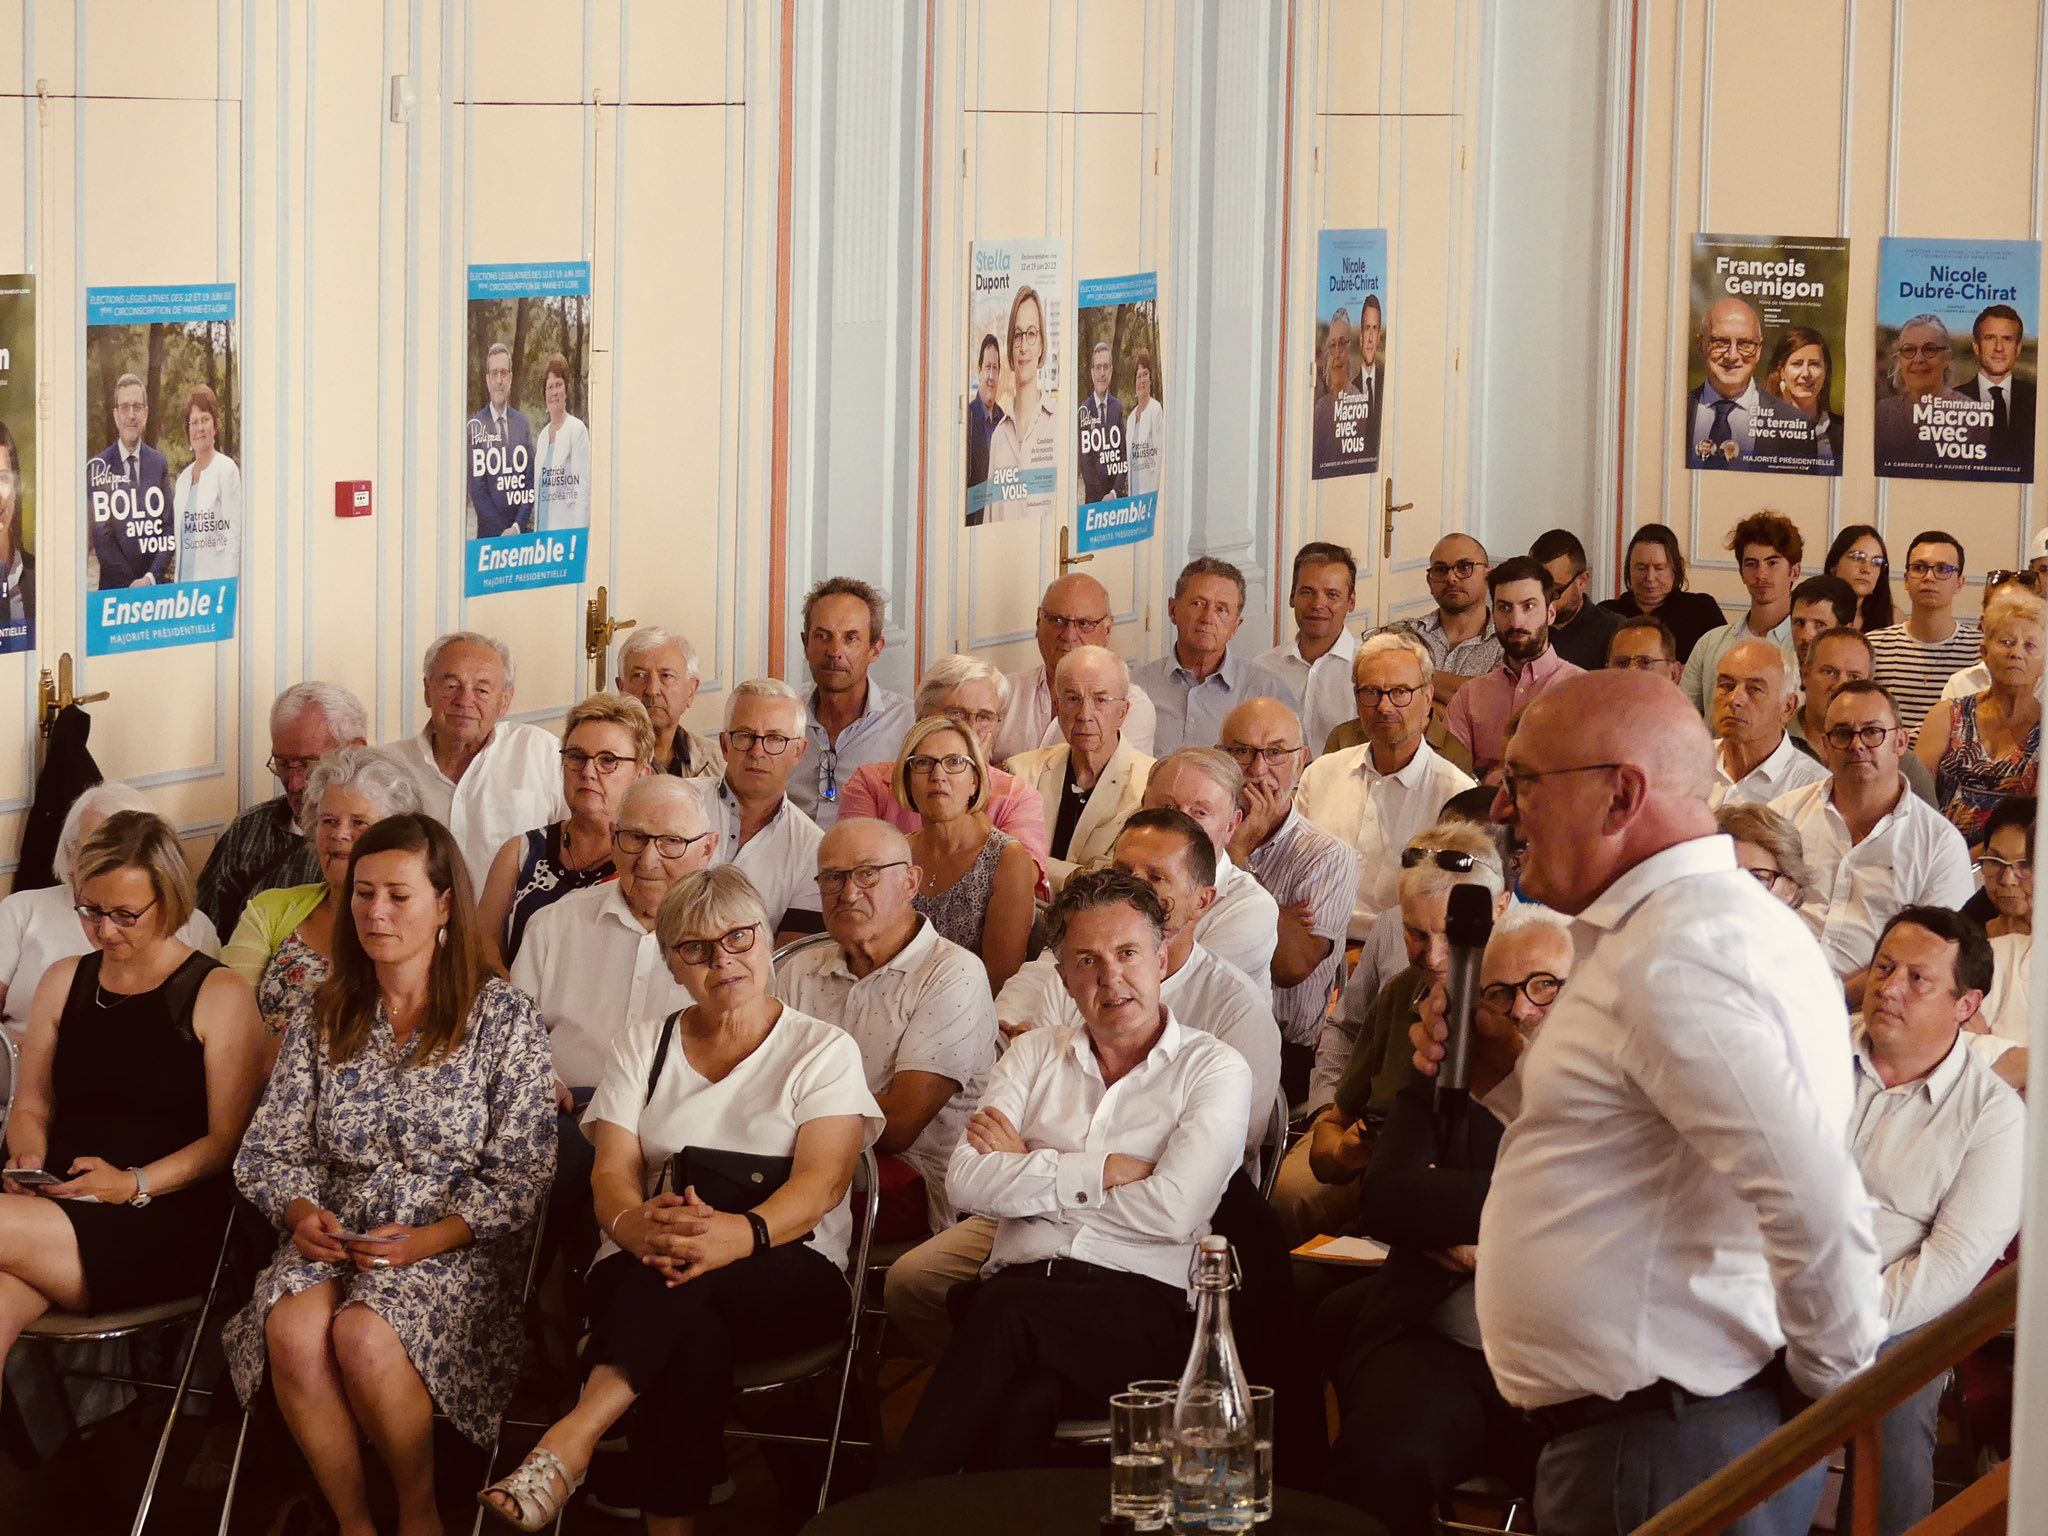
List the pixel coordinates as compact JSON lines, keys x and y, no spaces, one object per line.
{"x":611,"y":1228}
{"x":762,"y":1242}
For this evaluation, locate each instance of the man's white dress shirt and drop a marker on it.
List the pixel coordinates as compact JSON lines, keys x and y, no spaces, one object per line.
{"x":512,"y":786}
{"x":1184,"y":1109}
{"x":592,"y":970}
{"x":1912,"y":857}
{"x":1786,"y":769}
{"x":781,"y":859}
{"x":1674,"y":1198}
{"x":1377,"y":815}
{"x":927,"y":1009}
{"x":1319,"y":691}
{"x":1243,"y":926}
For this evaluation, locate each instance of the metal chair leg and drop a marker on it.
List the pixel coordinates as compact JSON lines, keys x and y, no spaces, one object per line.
{"x":227,"y":1503}
{"x":163,"y":1441}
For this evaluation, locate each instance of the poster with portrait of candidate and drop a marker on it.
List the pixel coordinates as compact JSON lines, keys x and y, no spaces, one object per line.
{"x":164,"y":514}
{"x":526,"y":455}
{"x":1016,"y":324}
{"x":1958,"y":358}
{"x":1350,"y":352}
{"x":1769,"y":324}
{"x":1119,"y":426}
{"x":17,"y":463}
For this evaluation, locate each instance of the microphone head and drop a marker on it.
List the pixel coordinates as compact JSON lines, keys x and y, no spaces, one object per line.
{"x":1468,"y":915}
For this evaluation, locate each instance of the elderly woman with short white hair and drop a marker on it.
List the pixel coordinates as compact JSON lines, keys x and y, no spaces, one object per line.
{"x":284,"y":944}
{"x":972,"y":694}
{"x":40,"y":927}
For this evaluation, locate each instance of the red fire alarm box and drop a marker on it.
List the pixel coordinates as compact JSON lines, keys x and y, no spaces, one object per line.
{"x":351,"y":498}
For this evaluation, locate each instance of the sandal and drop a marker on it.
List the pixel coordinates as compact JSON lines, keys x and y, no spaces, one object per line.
{"x":537,"y":1491}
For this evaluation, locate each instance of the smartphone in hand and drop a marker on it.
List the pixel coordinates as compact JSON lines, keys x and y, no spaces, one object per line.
{"x":35,"y":1178}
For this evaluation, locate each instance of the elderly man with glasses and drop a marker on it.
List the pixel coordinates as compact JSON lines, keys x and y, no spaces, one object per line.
{"x":1093,"y":779}
{"x":1073,"y":613}
{"x":760,"y":829}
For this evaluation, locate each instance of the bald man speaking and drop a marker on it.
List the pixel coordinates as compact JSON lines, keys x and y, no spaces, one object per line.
{"x":1675,"y":1225}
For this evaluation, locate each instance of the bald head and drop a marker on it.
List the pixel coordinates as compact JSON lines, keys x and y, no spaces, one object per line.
{"x":1753,"y":694}
{"x":1263,"y":737}
{"x":1074,"y":612}
{"x":1634,"y":718}
{"x":870,"y":922}
{"x":862,"y":840}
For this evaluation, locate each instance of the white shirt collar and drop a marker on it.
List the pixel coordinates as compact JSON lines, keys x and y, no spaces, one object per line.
{"x":1345,"y":647}
{"x":1936,"y":1085}
{"x":1629,"y":890}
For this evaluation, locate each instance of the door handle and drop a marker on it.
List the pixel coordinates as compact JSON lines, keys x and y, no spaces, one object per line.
{"x":54,"y":697}
{"x":1066,"y":543}
{"x":1387,"y":524}
{"x":598,"y":628}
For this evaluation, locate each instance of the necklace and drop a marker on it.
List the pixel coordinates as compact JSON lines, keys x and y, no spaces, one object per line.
{"x":99,"y":996}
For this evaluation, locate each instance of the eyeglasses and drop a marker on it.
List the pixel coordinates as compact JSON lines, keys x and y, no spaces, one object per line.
{"x":1929,"y":568}
{"x":828,"y":774}
{"x":1066,"y":621}
{"x":1864,"y":557}
{"x":1454,"y":861}
{"x":1540,"y":987}
{"x":1026,"y":333}
{"x":1767,"y":878}
{"x":1439,"y":569}
{"x":2029,"y":578}
{"x":1927,"y":351}
{"x":774,"y":743}
{"x":670,"y":845}
{"x":1992,"y":867}
{"x":1513,"y":782}
{"x":120,"y":917}
{"x":1401,"y":695}
{"x":833,"y":881}
{"x":575,"y":759}
{"x":978,"y":719}
{"x":1097,"y":701}
{"x":1250,"y":757}
{"x":734,"y":941}
{"x":289,"y":767}
{"x":1729,"y":346}
{"x":952,"y":762}
{"x":1638,"y":664}
{"x":1843,"y":737}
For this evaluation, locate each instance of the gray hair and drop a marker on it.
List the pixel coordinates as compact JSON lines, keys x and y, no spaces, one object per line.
{"x":652,"y":638}
{"x":102,"y":800}
{"x":710,"y":902}
{"x":126,"y":379}
{"x":1381,"y":642}
{"x":950,"y":672}
{"x":1531,"y":914}
{"x":466,"y":637}
{"x":664,"y":786}
{"x":1214,"y":761}
{"x":346,"y":719}
{"x":1102,"y":652}
{"x":370,"y":772}
{"x":770,"y":688}
{"x":495,"y":348}
{"x":1948,"y":371}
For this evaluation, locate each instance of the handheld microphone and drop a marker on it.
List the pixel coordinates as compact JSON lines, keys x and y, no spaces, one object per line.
{"x":1468,"y":923}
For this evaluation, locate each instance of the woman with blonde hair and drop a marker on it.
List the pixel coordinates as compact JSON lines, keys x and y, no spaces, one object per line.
{"x":1767,"y":849}
{"x":978,"y":881}
{"x":1986,"y":747}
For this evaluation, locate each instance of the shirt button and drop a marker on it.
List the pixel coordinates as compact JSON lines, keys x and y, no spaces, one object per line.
{"x":755,"y":1177}
{"x":1082,"y":1198}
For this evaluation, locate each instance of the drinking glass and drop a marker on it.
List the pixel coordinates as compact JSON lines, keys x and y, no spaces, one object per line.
{"x":1138,"y":1471}
{"x":1262,"y":1452}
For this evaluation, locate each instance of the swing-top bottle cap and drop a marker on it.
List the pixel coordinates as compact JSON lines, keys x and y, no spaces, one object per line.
{"x":1214,"y":1243}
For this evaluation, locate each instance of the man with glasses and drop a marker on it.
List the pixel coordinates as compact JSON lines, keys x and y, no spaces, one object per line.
{"x":854,"y":720}
{"x":773,"y":843}
{"x":1732,"y":421}
{"x":1523,"y":605}
{"x":1644,"y":643}
{"x":1924,"y":400}
{"x":486,"y":779}
{"x":263,"y":848}
{"x":1073,"y":613}
{"x":1872,"y":847}
{"x":916,"y":1004}
{"x":1768,"y":548}
{"x":1754,"y":760}
{"x":1311,"y":673}
{"x":1580,"y":628}
{"x":1309,"y":873}
{"x":1195,"y":683}
{"x":134,"y":532}
{"x":1835,"y":657}
{"x":1916,"y":659}
{"x":1095,"y":777}
{"x":1376,"y":796}
{"x":1674,"y":1201}
{"x":1459,"y":634}
{"x":592,"y":965}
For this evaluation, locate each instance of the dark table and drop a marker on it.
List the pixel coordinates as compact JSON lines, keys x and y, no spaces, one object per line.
{"x":1044,"y":1502}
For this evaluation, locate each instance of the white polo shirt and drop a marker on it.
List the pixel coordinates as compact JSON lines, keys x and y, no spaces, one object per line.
{"x":592,"y":969}
{"x":1377,"y":814}
{"x":781,"y":859}
{"x":927,"y":1010}
{"x":1786,"y":769}
{"x":1912,"y":857}
{"x":512,"y":786}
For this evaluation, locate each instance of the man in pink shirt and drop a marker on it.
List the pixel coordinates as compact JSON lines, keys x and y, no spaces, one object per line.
{"x":1524,"y":599}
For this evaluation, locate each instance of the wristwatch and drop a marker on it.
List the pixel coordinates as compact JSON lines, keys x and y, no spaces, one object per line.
{"x":141,"y":1189}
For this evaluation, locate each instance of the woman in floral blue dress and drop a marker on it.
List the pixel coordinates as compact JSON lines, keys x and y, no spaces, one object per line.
{"x":417,"y":1110}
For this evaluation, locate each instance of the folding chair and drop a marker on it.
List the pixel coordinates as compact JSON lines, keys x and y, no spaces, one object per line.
{"x":798,"y":946}
{"x":1275,"y":1150}
{"x":60,"y":1328}
{"x":10,"y":1075}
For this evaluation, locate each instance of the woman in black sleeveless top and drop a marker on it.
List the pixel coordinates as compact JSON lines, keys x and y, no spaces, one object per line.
{"x":140,"y":1069}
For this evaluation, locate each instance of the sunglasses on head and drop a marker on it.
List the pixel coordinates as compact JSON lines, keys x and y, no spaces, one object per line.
{"x":1451,"y":860}
{"x":2030,"y":579}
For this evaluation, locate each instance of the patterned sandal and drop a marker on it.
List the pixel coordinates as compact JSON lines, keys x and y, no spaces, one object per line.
{"x":536,"y":1491}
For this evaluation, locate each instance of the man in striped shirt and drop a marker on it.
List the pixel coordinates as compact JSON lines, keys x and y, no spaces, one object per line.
{"x":1916,"y":659}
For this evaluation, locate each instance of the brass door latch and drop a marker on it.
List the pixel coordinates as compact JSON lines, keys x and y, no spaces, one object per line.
{"x":598,"y":629}
{"x":54,"y":697}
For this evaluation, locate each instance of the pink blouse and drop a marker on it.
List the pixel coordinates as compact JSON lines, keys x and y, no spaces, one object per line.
{"x":1013,"y":806}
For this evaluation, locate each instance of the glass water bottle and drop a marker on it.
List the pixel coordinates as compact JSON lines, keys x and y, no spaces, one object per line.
{"x":1213,"y":1447}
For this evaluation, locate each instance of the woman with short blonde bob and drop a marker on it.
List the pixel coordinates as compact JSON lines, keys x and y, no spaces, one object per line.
{"x":139,"y":1070}
{"x":1986,"y":747}
{"x":1767,"y":849}
{"x":978,"y":881}
{"x":727,"y":1135}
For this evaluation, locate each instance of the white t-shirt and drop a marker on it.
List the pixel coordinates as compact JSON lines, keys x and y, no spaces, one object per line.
{"x":38,"y":928}
{"x":804,"y":1070}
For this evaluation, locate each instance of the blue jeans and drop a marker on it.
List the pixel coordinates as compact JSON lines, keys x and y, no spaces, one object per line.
{"x":1906,"y":1437}
{"x":1608,"y":1478}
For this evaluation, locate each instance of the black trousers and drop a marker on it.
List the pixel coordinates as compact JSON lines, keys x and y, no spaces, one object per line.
{"x":677,"y":1348}
{"x":1031,"y":1349}
{"x":1420,"y":1414}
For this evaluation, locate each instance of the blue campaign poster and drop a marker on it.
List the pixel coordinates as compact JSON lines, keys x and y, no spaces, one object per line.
{"x":1350,"y":352}
{"x":1120,"y":423}
{"x":163,"y":494}
{"x":526,"y":451}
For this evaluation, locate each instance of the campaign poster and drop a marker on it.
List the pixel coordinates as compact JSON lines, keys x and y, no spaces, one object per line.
{"x":1958,"y":359}
{"x":1768,"y":337}
{"x":526,"y":456}
{"x":1016,"y":316}
{"x":163,"y":484}
{"x":17,"y":463}
{"x":1351,"y":352}
{"x":1120,"y":425}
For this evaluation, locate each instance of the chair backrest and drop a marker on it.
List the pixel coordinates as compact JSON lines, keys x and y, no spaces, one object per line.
{"x":866,"y":1195}
{"x":10,"y":1075}
{"x":798,"y":946}
{"x":1276,"y":1145}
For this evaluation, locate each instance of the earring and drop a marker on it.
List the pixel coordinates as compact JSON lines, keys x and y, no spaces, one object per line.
{"x":441,"y":936}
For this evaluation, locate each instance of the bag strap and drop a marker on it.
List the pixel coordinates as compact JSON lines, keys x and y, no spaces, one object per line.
{"x":668,"y":1030}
